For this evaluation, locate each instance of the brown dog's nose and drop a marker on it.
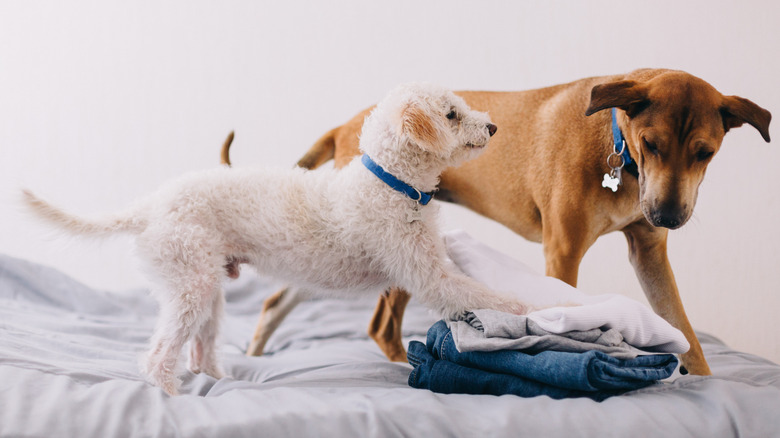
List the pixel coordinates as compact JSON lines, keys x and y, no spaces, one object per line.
{"x":669,"y":215}
{"x":492,"y":128}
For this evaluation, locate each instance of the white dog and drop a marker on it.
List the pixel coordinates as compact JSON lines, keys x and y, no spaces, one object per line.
{"x":358,"y":230}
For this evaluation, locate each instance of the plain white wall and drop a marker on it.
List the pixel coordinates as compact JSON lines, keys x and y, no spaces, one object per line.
{"x":102,"y":101}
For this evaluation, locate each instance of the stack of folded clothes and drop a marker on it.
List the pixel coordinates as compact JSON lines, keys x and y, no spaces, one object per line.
{"x":576,"y":346}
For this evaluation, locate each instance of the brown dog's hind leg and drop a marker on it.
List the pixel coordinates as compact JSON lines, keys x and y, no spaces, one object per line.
{"x":647,"y":252}
{"x":385,"y":325}
{"x":275,"y":309}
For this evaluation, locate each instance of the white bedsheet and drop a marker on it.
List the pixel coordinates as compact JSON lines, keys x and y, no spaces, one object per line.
{"x":68,"y":367}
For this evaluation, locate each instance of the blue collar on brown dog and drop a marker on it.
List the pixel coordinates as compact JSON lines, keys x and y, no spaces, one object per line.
{"x":620,"y":145}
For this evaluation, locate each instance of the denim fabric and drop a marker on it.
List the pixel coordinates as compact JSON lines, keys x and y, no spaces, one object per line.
{"x":449,"y":378}
{"x":439,"y":366}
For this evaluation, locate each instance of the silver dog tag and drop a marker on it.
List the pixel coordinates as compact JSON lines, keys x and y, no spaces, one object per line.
{"x":617,"y":173}
{"x":612,"y":180}
{"x":414,"y":215}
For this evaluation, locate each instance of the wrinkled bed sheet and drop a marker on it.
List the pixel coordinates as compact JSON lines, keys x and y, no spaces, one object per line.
{"x":69,"y":354}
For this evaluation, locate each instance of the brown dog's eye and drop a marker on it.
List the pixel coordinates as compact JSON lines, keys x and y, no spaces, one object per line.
{"x":704,"y":154}
{"x":651,"y":148}
{"x":451,"y":115}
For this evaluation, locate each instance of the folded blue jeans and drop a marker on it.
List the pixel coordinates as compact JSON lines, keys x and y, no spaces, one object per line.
{"x":440,"y":367}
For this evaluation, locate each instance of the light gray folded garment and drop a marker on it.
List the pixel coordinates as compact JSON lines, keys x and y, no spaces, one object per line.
{"x":563,"y":308}
{"x":491,"y":330}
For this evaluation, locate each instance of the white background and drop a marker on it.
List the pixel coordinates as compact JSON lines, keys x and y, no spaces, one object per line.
{"x":102,"y":101}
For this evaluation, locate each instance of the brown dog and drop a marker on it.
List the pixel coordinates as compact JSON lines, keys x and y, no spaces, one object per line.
{"x":542,"y":178}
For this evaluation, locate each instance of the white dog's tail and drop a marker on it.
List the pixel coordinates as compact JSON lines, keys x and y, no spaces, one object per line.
{"x":76,"y":225}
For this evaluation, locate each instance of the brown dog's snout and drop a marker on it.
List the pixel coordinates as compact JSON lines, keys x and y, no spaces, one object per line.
{"x":671,"y":221}
{"x":492,"y":128}
{"x":669,"y":215}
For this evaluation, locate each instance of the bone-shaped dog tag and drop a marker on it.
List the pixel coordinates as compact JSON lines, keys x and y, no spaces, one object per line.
{"x":611,"y":181}
{"x":414,"y":215}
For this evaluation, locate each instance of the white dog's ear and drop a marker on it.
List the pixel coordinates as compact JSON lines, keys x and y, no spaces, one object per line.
{"x":418,"y":125}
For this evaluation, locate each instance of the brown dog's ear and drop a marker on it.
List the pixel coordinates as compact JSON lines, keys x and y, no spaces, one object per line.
{"x":620,"y":94}
{"x":737,"y":110}
{"x":416,"y":123}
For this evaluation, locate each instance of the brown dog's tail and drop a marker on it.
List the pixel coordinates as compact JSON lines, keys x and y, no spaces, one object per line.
{"x":323,"y":150}
{"x":224,"y":155}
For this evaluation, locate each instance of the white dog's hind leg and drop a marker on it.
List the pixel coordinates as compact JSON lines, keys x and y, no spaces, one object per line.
{"x":181,"y":317}
{"x":275,"y":308}
{"x":189,"y":273}
{"x":168,"y":339}
{"x":203,"y":348}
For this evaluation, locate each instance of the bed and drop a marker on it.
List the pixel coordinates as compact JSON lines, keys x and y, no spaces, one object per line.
{"x":69,"y":355}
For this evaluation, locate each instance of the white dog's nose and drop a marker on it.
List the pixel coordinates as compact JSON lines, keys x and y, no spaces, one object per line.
{"x":492,"y":128}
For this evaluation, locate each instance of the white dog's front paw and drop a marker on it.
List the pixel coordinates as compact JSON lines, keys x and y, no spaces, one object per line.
{"x":500,"y":304}
{"x":518,"y":308}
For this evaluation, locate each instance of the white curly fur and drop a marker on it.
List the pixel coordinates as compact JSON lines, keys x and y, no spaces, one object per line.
{"x":322,"y":231}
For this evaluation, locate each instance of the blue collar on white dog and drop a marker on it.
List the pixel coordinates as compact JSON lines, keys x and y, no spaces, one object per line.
{"x":421,"y":197}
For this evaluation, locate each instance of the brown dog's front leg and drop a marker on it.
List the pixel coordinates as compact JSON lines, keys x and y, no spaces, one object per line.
{"x":385,"y":325}
{"x":647,"y":252}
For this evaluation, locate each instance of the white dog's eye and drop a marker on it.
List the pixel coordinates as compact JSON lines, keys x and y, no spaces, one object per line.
{"x":451,"y":115}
